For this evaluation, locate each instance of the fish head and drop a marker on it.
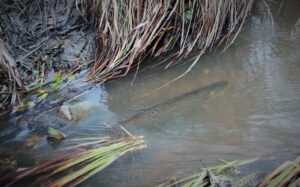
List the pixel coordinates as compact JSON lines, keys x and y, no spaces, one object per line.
{"x":216,"y":88}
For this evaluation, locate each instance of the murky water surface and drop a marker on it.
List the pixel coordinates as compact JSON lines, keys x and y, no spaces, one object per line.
{"x":256,"y":115}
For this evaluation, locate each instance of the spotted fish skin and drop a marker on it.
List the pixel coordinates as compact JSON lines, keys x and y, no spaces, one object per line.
{"x":201,"y":94}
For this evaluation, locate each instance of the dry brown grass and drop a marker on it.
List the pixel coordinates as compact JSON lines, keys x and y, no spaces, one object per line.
{"x":130,"y":31}
{"x":10,"y":79}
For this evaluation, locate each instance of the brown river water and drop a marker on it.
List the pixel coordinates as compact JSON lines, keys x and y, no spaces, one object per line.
{"x":256,"y":115}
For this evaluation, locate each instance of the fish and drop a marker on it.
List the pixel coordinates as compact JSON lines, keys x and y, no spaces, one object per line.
{"x":175,"y":104}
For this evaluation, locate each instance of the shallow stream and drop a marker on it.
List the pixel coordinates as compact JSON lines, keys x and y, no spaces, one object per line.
{"x":256,"y":115}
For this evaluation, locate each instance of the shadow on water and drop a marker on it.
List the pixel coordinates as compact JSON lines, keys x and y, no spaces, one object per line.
{"x":257,"y":115}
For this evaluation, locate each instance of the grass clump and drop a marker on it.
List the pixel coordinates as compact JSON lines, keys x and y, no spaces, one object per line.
{"x":78,"y":166}
{"x":287,"y":174}
{"x":130,"y":31}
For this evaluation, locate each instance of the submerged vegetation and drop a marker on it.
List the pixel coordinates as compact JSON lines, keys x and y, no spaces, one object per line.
{"x":212,"y":176}
{"x":85,"y":160}
{"x":287,"y":174}
{"x":35,"y":33}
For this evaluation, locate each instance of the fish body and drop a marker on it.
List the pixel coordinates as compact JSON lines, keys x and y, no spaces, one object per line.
{"x":176,"y":103}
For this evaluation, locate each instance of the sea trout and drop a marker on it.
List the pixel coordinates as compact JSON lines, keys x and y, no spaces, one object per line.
{"x":200,"y":94}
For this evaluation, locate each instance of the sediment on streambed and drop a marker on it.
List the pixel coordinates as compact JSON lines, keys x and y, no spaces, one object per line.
{"x":105,"y":38}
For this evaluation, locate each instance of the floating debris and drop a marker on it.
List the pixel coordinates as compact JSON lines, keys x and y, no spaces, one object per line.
{"x":55,"y":134}
{"x":32,"y":141}
{"x":77,"y":111}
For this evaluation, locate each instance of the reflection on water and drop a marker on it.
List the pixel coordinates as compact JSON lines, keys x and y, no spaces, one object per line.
{"x":257,"y":115}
